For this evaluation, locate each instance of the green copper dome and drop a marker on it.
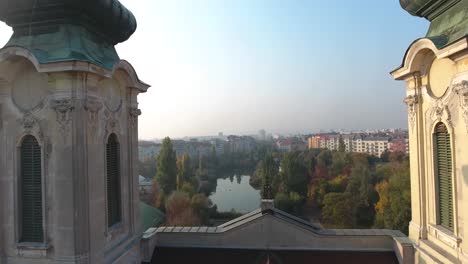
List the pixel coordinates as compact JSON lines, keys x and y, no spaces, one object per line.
{"x":69,"y":30}
{"x":413,"y":6}
{"x":449,"y":18}
{"x":428,"y":9}
{"x":105,"y":17}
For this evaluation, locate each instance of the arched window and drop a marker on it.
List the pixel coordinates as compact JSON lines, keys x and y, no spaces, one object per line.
{"x":113,"y":180}
{"x":31,"y":191}
{"x":443,"y":169}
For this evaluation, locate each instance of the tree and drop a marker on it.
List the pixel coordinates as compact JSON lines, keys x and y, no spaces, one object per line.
{"x":341,"y":146}
{"x":179,"y":211}
{"x":291,"y":203}
{"x":324,"y":159}
{"x":282,"y":201}
{"x":338,"y":210}
{"x":201,"y":206}
{"x":393,"y":210}
{"x":184,"y":171}
{"x":294,"y":174}
{"x":167,"y":168}
{"x":361,"y":192}
{"x":269,"y":172}
{"x":147,"y":167}
{"x":340,"y":161}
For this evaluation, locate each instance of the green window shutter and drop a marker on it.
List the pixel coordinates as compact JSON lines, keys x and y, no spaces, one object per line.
{"x":113,"y":180}
{"x":444,"y":176}
{"x":31,"y":191}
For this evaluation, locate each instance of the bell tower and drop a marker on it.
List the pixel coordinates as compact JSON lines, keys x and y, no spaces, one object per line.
{"x":435,"y":69}
{"x":68,"y":134}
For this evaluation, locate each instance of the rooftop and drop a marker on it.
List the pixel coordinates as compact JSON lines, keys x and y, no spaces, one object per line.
{"x":277,"y":234}
{"x":69,"y":30}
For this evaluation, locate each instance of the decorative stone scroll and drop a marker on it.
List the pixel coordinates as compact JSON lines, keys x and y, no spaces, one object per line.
{"x":112,"y":123}
{"x":133,"y":115}
{"x":462,"y":90}
{"x":63,"y":108}
{"x":440,"y":112}
{"x":30,"y":125}
{"x":411,"y":101}
{"x":28,"y":122}
{"x":93,"y":106}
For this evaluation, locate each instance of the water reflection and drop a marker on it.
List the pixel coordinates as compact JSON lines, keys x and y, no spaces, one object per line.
{"x":235,"y":195}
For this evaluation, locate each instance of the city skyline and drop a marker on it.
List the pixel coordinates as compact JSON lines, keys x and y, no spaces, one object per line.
{"x":240,"y":66}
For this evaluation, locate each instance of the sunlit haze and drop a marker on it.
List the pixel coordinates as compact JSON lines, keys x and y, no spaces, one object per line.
{"x":237,"y":66}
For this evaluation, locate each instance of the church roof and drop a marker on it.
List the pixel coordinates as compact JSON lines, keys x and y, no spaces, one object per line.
{"x":106,"y":17}
{"x":69,"y":30}
{"x":272,"y":231}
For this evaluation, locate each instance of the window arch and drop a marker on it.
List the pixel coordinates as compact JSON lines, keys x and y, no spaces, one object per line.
{"x":113,"y":180}
{"x":31,"y":191}
{"x":443,"y":169}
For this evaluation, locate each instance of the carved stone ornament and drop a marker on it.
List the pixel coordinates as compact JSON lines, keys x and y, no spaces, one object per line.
{"x":93,"y":106}
{"x":30,"y":125}
{"x":133,"y":114}
{"x":63,"y":108}
{"x":441,"y":112}
{"x":411,"y":101}
{"x":462,"y":90}
{"x":29,"y":121}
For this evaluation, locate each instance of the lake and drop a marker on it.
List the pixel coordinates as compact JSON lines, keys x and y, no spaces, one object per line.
{"x":235,"y":193}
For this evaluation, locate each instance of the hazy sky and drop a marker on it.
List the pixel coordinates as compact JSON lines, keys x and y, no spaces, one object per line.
{"x":238,"y":66}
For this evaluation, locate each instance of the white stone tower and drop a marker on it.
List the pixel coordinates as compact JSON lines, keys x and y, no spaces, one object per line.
{"x":435,"y":69}
{"x":68,"y":134}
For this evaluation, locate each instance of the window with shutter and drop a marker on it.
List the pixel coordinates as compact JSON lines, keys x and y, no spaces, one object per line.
{"x":31,"y":191}
{"x":113,"y":180}
{"x":443,"y":162}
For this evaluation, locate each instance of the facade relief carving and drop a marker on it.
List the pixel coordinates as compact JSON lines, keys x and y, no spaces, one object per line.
{"x":112,"y":123}
{"x":462,"y":90}
{"x":440,"y":112}
{"x":133,"y":113}
{"x":411,"y":101}
{"x":28,"y":122}
{"x":63,"y":109}
{"x":93,"y":106}
{"x":30,"y":125}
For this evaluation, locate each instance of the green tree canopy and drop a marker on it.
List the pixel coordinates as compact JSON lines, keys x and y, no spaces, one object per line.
{"x":167,"y":168}
{"x":184,"y":171}
{"x":338,"y":210}
{"x":393,"y":210}
{"x":341,"y":146}
{"x":294,"y":174}
{"x":269,"y":172}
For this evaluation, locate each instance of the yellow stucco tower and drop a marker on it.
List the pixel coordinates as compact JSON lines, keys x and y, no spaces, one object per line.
{"x":435,"y":69}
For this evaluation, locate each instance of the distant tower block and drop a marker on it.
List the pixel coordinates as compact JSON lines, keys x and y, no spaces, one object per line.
{"x":68,"y":134}
{"x":435,"y":69}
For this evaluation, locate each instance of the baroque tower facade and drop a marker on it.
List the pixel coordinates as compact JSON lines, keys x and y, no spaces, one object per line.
{"x":435,"y":69}
{"x":68,"y":134}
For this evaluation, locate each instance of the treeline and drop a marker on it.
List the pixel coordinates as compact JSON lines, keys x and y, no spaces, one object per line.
{"x":182,"y":185}
{"x":175,"y":189}
{"x":343,"y":190}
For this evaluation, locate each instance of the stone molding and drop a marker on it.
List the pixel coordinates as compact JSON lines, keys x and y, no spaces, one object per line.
{"x":447,"y":238}
{"x":462,"y":90}
{"x":133,"y":113}
{"x":411,"y":101}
